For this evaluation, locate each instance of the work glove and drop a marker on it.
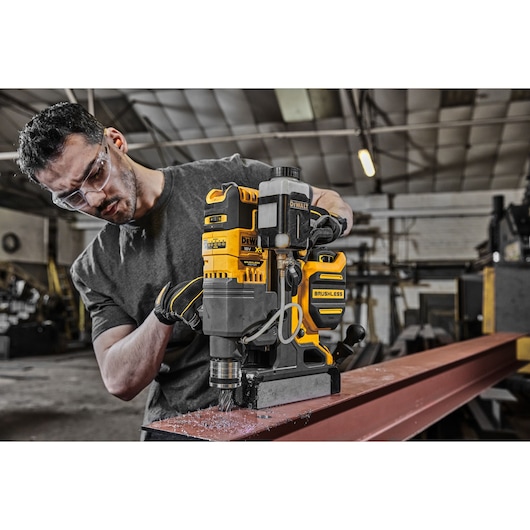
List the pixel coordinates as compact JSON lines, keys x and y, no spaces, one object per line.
{"x":180,"y":302}
{"x":325,"y":226}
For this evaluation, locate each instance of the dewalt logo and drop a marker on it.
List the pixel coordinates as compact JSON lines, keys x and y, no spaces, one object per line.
{"x":328,"y":293}
{"x":250,"y":244}
{"x":298,"y":205}
{"x":249,"y":241}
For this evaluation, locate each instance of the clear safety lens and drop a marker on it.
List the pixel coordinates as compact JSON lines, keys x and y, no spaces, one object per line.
{"x":94,"y":182}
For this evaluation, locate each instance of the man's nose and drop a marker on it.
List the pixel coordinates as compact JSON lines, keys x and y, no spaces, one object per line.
{"x":94,"y":198}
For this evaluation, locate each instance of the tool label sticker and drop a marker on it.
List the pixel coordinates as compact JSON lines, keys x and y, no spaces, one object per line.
{"x":214,"y":219}
{"x":328,"y":293}
{"x":214,"y":244}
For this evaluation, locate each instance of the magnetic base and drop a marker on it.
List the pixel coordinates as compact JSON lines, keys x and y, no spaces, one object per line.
{"x":259,"y":391}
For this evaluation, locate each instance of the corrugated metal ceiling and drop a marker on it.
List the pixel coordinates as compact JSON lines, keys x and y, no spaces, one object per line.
{"x":422,"y":140}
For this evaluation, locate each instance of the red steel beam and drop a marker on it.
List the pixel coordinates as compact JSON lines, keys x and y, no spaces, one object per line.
{"x":392,"y":400}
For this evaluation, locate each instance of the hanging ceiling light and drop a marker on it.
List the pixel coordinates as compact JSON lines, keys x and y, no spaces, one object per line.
{"x":366,"y":161}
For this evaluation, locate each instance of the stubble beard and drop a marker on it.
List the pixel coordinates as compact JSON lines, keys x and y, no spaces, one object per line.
{"x":126,"y":201}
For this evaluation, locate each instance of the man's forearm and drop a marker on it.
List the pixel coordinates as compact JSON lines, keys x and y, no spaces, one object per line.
{"x":129,"y":358}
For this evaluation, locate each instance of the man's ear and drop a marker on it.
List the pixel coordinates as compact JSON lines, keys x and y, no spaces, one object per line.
{"x":117,"y":138}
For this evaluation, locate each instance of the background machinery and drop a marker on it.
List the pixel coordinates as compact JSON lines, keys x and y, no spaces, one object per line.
{"x":506,"y":276}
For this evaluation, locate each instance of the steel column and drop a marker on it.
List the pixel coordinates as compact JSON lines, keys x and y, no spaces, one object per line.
{"x":392,"y":400}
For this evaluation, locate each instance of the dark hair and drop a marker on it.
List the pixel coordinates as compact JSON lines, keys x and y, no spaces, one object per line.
{"x":43,"y":137}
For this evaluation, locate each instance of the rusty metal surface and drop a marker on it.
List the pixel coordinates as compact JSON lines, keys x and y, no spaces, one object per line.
{"x":392,"y":400}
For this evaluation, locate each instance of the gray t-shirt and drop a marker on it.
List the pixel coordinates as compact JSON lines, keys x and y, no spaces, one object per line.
{"x":121,"y":272}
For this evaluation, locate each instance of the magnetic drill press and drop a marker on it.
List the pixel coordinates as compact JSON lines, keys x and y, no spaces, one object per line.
{"x":269,"y":287}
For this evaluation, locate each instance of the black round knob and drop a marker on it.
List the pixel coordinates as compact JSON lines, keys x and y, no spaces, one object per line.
{"x":286,"y":171}
{"x":354,"y":334}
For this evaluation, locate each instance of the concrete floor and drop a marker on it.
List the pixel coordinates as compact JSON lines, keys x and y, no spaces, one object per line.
{"x":62,"y":398}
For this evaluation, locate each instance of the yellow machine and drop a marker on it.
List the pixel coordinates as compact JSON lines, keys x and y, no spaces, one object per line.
{"x":269,"y":288}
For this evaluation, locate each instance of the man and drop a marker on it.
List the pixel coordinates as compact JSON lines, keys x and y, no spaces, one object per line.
{"x":152,"y":237}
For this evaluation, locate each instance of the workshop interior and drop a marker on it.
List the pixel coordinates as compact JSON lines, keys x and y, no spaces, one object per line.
{"x":414,"y":326}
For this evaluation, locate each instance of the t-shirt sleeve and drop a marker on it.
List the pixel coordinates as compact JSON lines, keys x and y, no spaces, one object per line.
{"x":252,"y":171}
{"x":104,"y":312}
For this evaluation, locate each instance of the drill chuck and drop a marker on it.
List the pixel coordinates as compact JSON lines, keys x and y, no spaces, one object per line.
{"x":225,"y":373}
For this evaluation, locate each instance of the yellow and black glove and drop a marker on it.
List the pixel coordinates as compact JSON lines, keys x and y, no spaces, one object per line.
{"x":325,"y":226}
{"x":180,"y":302}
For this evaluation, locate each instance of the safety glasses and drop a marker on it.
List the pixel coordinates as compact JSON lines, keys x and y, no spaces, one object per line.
{"x":97,"y":178}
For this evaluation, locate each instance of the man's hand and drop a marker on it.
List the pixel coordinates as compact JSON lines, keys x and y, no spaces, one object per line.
{"x":180,"y":302}
{"x":332,"y":202}
{"x":325,"y":227}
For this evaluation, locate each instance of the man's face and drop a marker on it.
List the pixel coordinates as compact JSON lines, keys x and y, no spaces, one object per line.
{"x":95,"y":179}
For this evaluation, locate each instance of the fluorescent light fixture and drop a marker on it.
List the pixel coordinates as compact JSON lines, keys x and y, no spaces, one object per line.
{"x":366,"y":162}
{"x":295,"y":104}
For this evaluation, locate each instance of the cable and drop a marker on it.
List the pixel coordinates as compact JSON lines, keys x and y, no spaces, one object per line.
{"x":279,"y":314}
